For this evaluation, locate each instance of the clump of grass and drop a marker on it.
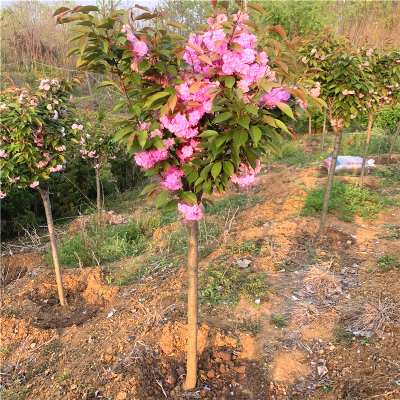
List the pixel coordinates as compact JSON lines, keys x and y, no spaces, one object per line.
{"x":242,"y":201}
{"x":348,"y":199}
{"x":371,"y":316}
{"x":342,"y":335}
{"x":389,"y":176}
{"x":321,"y":282}
{"x":394,"y":235}
{"x":5,"y":352}
{"x":279,"y":320}
{"x":226,"y":284}
{"x":388,"y":262}
{"x":247,"y":325}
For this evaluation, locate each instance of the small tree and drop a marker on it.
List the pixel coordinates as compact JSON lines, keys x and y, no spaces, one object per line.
{"x":37,"y":128}
{"x":203,"y":111}
{"x":335,"y":62}
{"x":382,"y":69}
{"x":98,"y":147}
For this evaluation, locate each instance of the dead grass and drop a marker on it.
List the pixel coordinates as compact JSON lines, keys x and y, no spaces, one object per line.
{"x":305,"y":315}
{"x":367,"y":317}
{"x":321,"y":282}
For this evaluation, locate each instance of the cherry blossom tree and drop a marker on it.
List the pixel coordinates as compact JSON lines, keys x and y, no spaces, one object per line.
{"x":204,"y":111}
{"x":97,"y":146}
{"x":36,"y":132}
{"x":382,"y":68}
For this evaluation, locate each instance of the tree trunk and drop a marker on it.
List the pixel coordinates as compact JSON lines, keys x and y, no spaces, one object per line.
{"x":97,"y":172}
{"x":269,"y":160}
{"x":90,"y":88}
{"x":309,"y":131}
{"x":191,"y":377}
{"x":394,"y":141}
{"x":370,"y":119}
{"x":324,"y":213}
{"x":323,"y":131}
{"x":53,"y":243}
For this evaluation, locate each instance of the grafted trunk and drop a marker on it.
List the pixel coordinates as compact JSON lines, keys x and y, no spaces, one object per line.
{"x":191,"y":377}
{"x":370,"y":119}
{"x":324,"y":213}
{"x":53,"y":243}
{"x":394,"y":141}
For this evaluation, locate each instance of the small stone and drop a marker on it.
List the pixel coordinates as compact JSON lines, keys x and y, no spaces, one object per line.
{"x":211,"y":373}
{"x":321,"y":352}
{"x":224,"y":369}
{"x":224,"y":355}
{"x":181,"y":371}
{"x":33,"y":345}
{"x":73,"y":387}
{"x":203,"y":393}
{"x":331,"y":348}
{"x":121,"y":396}
{"x":349,"y":242}
{"x":240,"y":370}
{"x":108,"y":358}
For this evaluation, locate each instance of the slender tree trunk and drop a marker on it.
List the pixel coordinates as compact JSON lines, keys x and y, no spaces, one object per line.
{"x":370,"y":119}
{"x":191,"y":377}
{"x":90,"y":88}
{"x":269,"y":160}
{"x":98,"y":188}
{"x":323,"y":131}
{"x":309,"y":131}
{"x":324,"y":213}
{"x":53,"y":243}
{"x":394,"y":141}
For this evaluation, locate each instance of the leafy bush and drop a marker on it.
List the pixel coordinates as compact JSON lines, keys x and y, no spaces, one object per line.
{"x":225,"y":285}
{"x":348,"y":199}
{"x":388,"y":262}
{"x":388,"y":120}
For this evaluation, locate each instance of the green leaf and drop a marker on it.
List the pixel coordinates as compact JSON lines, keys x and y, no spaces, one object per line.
{"x":255,"y":134}
{"x":208,"y":133}
{"x":176,"y":25}
{"x":82,"y":43}
{"x":85,"y":9}
{"x":240,"y":138}
{"x":230,"y":81}
{"x":284,"y":108}
{"x":228,"y":168}
{"x":252,"y":109}
{"x":216,"y":169}
{"x":244,"y":121}
{"x":222,"y":117}
{"x":193,"y":176}
{"x":143,"y":66}
{"x":155,"y":97}
{"x":148,"y":188}
{"x":175,"y":37}
{"x":171,"y":69}
{"x":117,"y":107}
{"x":122,"y":132}
{"x":142,"y":137}
{"x":281,"y":125}
{"x":189,"y":197}
{"x":171,"y":205}
{"x":158,"y":142}
{"x":162,"y":198}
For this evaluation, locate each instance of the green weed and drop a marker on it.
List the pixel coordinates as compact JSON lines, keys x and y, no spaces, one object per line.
{"x":246,"y":325}
{"x":5,"y":352}
{"x":64,"y":375}
{"x":279,"y":320}
{"x":242,"y":201}
{"x":388,"y":262}
{"x":395,"y":235}
{"x":226,"y":284}
{"x":348,"y":199}
{"x":388,"y":176}
{"x":343,"y":336}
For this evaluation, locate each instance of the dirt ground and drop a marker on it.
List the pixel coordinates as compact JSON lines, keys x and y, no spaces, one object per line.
{"x":340,"y":339}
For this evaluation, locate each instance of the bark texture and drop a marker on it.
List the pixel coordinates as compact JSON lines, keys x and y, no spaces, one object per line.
{"x":394,"y":141}
{"x":331,"y":175}
{"x":191,"y":377}
{"x":53,"y":242}
{"x":370,"y":119}
{"x":323,"y":131}
{"x":98,"y":192}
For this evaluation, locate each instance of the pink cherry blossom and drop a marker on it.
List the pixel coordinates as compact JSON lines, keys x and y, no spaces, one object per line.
{"x":61,"y":148}
{"x":42,"y":164}
{"x":304,"y":59}
{"x":57,"y":168}
{"x":3,"y":154}
{"x":172,"y":178}
{"x":34,"y":184}
{"x":192,"y":213}
{"x":352,"y":116}
{"x":48,"y":107}
{"x":2,"y":195}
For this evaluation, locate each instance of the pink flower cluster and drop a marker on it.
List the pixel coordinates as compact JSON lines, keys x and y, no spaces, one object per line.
{"x":192,"y":213}
{"x":247,"y":174}
{"x":148,"y":159}
{"x":139,"y":47}
{"x":57,"y":168}
{"x":172,"y":178}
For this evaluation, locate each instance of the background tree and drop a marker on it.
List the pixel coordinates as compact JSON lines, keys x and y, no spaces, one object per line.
{"x":203,"y":111}
{"x":336,"y":64}
{"x":37,"y":128}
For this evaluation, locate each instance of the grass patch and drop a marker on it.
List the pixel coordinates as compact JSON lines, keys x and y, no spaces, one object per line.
{"x":388,"y":262}
{"x":279,"y":320}
{"x":102,"y":244}
{"x":388,"y":176}
{"x":242,"y":201}
{"x":248,"y":326}
{"x":226,"y":284}
{"x":394,"y":235}
{"x":342,"y":335}
{"x":348,"y":199}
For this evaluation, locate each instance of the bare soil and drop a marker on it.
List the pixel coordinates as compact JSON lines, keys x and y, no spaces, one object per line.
{"x":129,"y":342}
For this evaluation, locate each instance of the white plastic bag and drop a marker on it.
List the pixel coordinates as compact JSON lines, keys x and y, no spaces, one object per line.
{"x":348,"y":164}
